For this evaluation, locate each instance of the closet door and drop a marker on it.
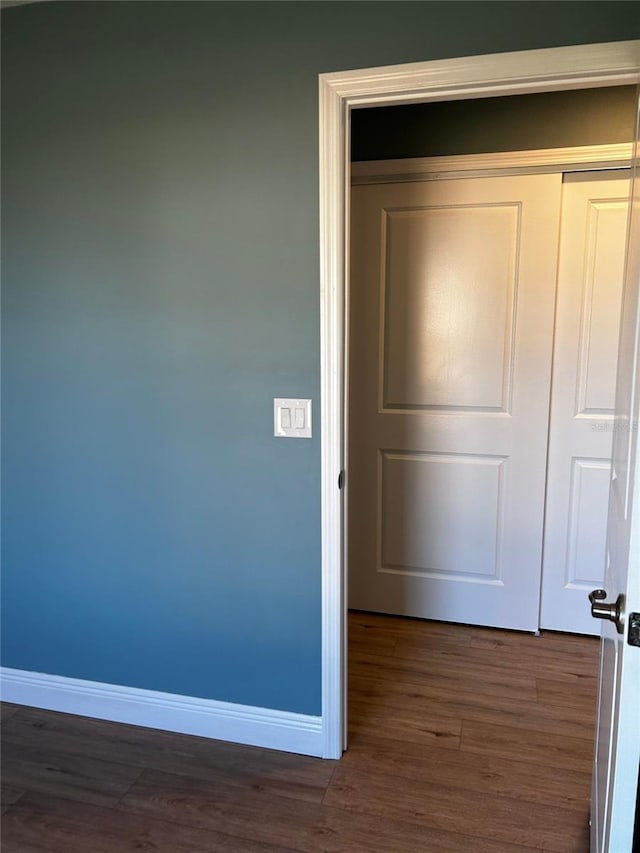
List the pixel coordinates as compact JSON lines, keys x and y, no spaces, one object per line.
{"x":451,"y":332}
{"x":589,"y":293}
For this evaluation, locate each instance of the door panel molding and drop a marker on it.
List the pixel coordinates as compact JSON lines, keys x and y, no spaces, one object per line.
{"x":406,"y":307}
{"x":457,"y":471}
{"x":598,"y":307}
{"x":586,"y":540}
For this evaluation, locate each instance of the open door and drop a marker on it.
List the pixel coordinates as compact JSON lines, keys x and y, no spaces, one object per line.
{"x":617,"y":748}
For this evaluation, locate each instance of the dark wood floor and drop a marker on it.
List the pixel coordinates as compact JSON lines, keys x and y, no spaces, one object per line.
{"x":464,"y":740}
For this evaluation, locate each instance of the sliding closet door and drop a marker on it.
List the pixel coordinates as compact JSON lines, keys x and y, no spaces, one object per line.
{"x":590,"y":276}
{"x":451,"y":330}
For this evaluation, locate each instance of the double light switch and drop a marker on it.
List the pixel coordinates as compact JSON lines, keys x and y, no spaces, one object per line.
{"x":291,"y":417}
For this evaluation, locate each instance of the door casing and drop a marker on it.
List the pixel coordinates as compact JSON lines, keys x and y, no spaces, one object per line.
{"x":553,"y":69}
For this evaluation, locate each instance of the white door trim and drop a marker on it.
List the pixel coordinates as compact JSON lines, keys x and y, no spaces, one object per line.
{"x":553,"y":69}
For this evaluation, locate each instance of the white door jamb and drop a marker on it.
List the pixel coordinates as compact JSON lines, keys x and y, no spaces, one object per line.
{"x":553,"y":69}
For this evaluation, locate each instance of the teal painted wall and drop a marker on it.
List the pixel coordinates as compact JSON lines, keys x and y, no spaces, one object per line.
{"x":160,"y":287}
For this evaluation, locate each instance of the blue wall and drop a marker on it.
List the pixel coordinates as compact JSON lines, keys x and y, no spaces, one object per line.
{"x":160,"y":287}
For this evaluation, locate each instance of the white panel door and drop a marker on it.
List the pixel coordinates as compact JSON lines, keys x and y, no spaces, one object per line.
{"x":451,"y":326}
{"x":617,"y":755}
{"x":589,"y":296}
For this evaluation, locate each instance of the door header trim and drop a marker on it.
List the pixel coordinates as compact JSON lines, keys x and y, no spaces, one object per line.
{"x":575,"y":159}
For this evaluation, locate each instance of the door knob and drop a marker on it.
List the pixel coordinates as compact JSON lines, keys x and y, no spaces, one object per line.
{"x":601,"y":610}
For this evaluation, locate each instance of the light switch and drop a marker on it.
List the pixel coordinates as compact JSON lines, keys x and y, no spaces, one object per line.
{"x":291,"y":417}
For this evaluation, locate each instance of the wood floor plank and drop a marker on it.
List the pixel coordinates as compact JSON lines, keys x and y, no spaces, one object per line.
{"x":416,"y":725}
{"x":432,"y":804}
{"x":9,"y":795}
{"x":342,"y":831}
{"x":451,"y":671}
{"x":556,"y":692}
{"x":461,"y":676}
{"x":40,"y":824}
{"x":400,"y":626}
{"x":367,"y":685}
{"x":279,"y":821}
{"x":577,"y":722}
{"x":492,"y":638}
{"x":7,"y":710}
{"x":297,"y":776}
{"x":481,"y":707}
{"x":257,"y":816}
{"x":71,"y":775}
{"x":372,"y":644}
{"x":551,"y":751}
{"x":586,"y":684}
{"x":379,"y":756}
{"x":579,"y":841}
{"x":535,"y":656}
{"x":401,"y":629}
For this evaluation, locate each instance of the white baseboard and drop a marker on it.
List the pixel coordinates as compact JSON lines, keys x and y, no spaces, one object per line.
{"x":283,"y":730}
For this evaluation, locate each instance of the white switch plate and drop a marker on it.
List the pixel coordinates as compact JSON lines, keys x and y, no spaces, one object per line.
{"x":291,"y":417}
